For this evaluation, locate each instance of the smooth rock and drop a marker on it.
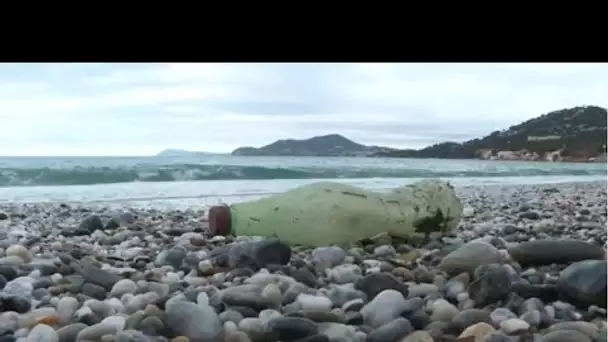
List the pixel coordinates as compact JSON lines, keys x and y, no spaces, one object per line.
{"x":259,"y":254}
{"x":564,"y":336}
{"x":413,"y":304}
{"x":343,"y":274}
{"x":305,"y":276}
{"x":292,"y":328}
{"x":497,"y":336}
{"x":118,"y":322}
{"x":123,"y":286}
{"x":95,"y":332}
{"x":131,"y":336}
{"x":478,"y":330}
{"x":589,"y":329}
{"x":313,"y":303}
{"x":19,"y":251}
{"x":341,"y":294}
{"x":8,"y":272}
{"x":93,"y":291}
{"x":530,"y":215}
{"x":514,"y":325}
{"x":90,"y":224}
{"x":491,"y":283}
{"x":444,"y":311}
{"x":197,"y":323}
{"x":328,"y":257}
{"x":469,"y":256}
{"x":384,"y":251}
{"x":469,"y":317}
{"x":66,"y":307}
{"x":338,"y":332}
{"x":253,"y":327}
{"x":423,"y":290}
{"x":385,"y":307}
{"x":534,"y":318}
{"x":584,"y":282}
{"x":418,"y":336}
{"x":237,"y":336}
{"x":391,"y":331}
{"x":230,"y":315}
{"x":174,"y":257}
{"x":456,"y":286}
{"x":96,"y":275}
{"x":15,"y":303}
{"x":11,"y":261}
{"x":501,"y":314}
{"x":68,"y":333}
{"x":248,"y":295}
{"x":42,"y":333}
{"x":19,"y":287}
{"x":151,"y":325}
{"x":546,"y":252}
{"x":374,"y":283}
{"x":545,"y":292}
{"x":272,"y":295}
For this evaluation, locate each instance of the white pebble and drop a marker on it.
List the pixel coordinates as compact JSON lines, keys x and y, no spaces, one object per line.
{"x":55,"y":278}
{"x":202,"y":299}
{"x":373,"y":270}
{"x":172,"y":277}
{"x":66,"y":308}
{"x":205,"y":266}
{"x":115,"y":304}
{"x":272,"y":294}
{"x":123,"y":286}
{"x":118,"y":322}
{"x":443,"y":311}
{"x":513,"y":325}
{"x":230,"y":327}
{"x":19,"y":251}
{"x":268,"y":314}
{"x":313,"y":303}
{"x":462,"y":297}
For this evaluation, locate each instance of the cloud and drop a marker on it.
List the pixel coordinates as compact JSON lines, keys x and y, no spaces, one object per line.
{"x":139,"y":109}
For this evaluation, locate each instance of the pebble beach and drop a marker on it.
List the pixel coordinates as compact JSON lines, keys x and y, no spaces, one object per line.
{"x":526,"y":264}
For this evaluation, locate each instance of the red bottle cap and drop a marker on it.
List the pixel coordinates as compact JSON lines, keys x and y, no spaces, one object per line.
{"x":219,"y":220}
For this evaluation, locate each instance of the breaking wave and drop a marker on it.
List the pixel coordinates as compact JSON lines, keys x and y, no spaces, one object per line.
{"x":83,"y":175}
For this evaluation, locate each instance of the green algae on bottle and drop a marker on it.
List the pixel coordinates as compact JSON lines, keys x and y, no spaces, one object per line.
{"x":328,"y":213}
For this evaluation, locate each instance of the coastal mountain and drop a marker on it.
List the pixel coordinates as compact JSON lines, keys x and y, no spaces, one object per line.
{"x":331,"y":145}
{"x":574,"y":134}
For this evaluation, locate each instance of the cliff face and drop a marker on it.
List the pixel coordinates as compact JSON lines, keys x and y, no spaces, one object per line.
{"x":574,"y":134}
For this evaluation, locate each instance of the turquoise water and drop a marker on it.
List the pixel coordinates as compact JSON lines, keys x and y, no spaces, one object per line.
{"x":221,"y":178}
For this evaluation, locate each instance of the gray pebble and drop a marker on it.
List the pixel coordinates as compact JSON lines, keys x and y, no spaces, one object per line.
{"x":42,"y":333}
{"x":385,"y":307}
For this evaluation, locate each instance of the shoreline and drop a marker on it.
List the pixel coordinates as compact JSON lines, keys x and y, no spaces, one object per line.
{"x":153,"y":275}
{"x":184,"y":194}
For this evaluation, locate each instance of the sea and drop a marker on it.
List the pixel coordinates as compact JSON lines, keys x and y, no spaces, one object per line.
{"x":204,"y":180}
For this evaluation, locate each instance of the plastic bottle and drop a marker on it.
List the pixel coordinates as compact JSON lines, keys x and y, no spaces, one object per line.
{"x":327,"y":213}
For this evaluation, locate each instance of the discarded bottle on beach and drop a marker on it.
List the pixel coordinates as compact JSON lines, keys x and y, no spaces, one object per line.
{"x":328,"y":213}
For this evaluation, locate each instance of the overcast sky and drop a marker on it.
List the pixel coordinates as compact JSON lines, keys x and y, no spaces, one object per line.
{"x":140,"y":109}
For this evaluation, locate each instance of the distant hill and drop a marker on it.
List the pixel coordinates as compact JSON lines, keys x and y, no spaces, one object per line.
{"x":331,"y":145}
{"x":576,"y":134}
{"x":173,"y":152}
